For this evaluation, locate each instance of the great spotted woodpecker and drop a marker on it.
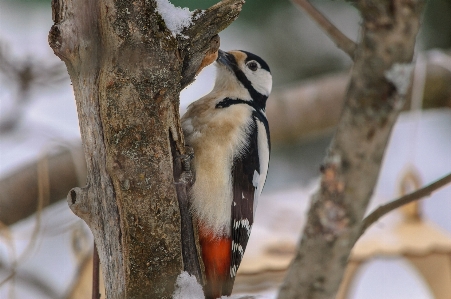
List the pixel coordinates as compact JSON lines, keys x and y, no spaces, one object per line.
{"x":229,"y":133}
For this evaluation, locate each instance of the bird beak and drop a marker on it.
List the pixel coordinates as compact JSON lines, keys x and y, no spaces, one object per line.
{"x":223,"y":59}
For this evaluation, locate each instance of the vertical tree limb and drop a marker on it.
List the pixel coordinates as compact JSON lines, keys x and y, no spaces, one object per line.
{"x":127,"y":70}
{"x":375,"y":96}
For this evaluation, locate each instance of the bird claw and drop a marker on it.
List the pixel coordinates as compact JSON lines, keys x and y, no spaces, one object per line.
{"x":187,"y":176}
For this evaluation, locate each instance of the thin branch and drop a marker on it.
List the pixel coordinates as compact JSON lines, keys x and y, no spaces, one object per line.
{"x":419,"y":194}
{"x":95,"y":274}
{"x":342,"y":41}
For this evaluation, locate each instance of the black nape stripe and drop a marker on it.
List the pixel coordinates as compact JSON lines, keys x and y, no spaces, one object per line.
{"x":258,"y":113}
{"x":227,"y":102}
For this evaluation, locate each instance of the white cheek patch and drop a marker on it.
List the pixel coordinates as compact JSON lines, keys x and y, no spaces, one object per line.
{"x":261,"y":80}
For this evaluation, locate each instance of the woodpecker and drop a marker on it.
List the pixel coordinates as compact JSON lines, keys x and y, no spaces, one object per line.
{"x":229,"y":133}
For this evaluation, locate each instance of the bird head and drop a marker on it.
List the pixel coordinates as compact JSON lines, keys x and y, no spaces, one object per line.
{"x":243,"y":71}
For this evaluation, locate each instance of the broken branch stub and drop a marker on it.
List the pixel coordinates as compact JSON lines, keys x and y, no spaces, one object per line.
{"x":209,"y":22}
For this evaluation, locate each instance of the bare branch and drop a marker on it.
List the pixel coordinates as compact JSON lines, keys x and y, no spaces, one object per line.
{"x":374,"y":98}
{"x":342,"y":41}
{"x":24,"y":74}
{"x":417,"y":195}
{"x":66,"y":169}
{"x":95,"y":274}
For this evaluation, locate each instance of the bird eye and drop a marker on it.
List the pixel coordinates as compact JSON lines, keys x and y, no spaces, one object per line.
{"x":252,"y":65}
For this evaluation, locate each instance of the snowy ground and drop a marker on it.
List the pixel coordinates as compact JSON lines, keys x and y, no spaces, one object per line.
{"x":420,"y":140}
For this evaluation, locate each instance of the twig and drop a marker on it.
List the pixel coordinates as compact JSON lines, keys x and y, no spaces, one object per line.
{"x":420,"y":193}
{"x":95,"y":274}
{"x":342,"y":41}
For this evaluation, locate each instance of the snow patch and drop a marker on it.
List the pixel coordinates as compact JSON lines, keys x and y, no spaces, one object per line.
{"x":175,"y":18}
{"x":187,"y":287}
{"x":399,"y":74}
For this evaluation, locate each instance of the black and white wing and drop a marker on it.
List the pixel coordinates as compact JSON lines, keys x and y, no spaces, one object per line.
{"x":247,"y":184}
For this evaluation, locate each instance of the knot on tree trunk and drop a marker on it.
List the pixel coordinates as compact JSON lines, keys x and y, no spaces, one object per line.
{"x":78,"y":203}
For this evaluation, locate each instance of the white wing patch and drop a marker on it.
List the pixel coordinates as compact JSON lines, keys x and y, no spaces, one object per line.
{"x":263,"y":153}
{"x":255,"y":179}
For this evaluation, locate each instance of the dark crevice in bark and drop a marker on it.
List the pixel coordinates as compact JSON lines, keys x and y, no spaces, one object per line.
{"x":183,"y":180}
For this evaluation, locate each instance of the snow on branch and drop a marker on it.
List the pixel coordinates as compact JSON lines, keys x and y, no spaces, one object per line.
{"x":176,"y":18}
{"x":198,"y":39}
{"x":399,"y":74}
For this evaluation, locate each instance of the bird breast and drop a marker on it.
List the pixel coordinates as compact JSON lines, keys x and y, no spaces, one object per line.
{"x":217,"y":137}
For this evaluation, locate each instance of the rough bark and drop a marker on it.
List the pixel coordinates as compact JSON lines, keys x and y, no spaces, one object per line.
{"x":375,"y":96}
{"x":127,"y":70}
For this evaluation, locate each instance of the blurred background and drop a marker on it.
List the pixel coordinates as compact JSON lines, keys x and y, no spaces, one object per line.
{"x":47,"y":254}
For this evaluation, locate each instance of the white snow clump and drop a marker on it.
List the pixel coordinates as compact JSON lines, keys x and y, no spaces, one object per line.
{"x":187,"y":287}
{"x":175,"y":18}
{"x":399,"y":74}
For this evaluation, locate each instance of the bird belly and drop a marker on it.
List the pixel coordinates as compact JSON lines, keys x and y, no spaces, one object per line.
{"x":216,"y":143}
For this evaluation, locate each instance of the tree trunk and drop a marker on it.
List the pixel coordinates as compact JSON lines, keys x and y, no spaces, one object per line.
{"x":127,"y":70}
{"x":375,"y":96}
